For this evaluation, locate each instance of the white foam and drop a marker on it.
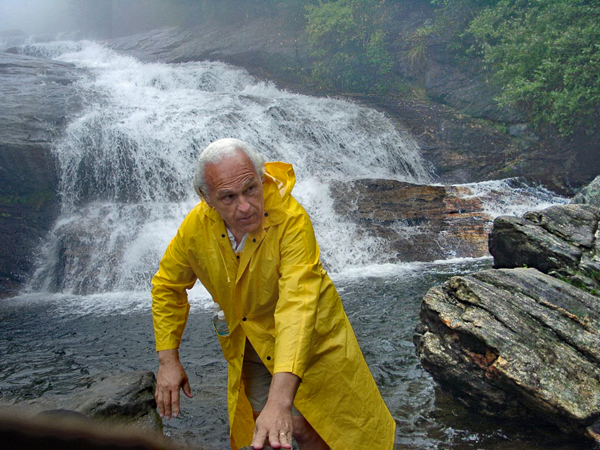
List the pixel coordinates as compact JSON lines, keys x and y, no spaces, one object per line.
{"x":126,"y":164}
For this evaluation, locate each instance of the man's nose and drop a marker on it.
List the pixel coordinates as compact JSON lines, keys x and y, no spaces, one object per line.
{"x":243,"y":204}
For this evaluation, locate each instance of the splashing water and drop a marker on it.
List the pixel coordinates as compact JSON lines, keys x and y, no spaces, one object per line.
{"x":126,"y":162}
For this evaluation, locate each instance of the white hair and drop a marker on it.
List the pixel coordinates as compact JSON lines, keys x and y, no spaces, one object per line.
{"x":219,"y":150}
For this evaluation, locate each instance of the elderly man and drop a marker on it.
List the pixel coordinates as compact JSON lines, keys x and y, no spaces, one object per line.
{"x":294,"y":366}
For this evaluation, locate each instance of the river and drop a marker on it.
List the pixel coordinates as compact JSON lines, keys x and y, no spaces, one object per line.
{"x":125,"y":166}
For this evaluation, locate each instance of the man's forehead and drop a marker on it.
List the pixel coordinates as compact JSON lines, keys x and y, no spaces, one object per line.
{"x":233,"y":170}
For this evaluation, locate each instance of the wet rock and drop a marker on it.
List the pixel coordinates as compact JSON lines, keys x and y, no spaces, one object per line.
{"x":523,"y":340}
{"x":590,"y":194}
{"x":416,"y":222}
{"x":515,"y":343}
{"x":125,"y":399}
{"x":561,"y":241}
{"x":37,"y":101}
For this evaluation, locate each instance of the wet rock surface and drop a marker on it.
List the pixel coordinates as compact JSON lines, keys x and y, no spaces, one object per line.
{"x":515,"y":344}
{"x":38,"y":98}
{"x":561,"y":241}
{"x":416,"y":222}
{"x":125,"y":399}
{"x":522,"y":341}
{"x":590,"y":194}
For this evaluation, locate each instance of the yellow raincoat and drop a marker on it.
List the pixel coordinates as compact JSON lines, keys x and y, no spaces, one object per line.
{"x":278,"y":296}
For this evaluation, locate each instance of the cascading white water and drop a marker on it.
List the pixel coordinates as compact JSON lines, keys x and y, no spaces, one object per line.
{"x":126,"y":167}
{"x":127,"y":162}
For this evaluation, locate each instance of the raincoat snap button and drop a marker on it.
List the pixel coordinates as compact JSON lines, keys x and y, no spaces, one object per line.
{"x":254,"y":240}
{"x":243,"y":319}
{"x":266,"y":214}
{"x":237,"y":256}
{"x":222,"y":235}
{"x":268,"y":358}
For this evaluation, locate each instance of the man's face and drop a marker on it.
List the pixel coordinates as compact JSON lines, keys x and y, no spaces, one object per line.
{"x":235,"y":191}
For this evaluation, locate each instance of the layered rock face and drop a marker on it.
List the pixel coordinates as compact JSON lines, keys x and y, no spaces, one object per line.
{"x":590,"y":194}
{"x":524,"y":342}
{"x":416,"y":222}
{"x":37,"y":100}
{"x":561,"y":240}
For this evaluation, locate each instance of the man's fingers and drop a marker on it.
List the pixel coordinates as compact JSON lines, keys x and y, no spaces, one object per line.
{"x":158,"y":396}
{"x":170,"y":379}
{"x":274,"y":438}
{"x":174,"y":406}
{"x":259,"y":438}
{"x":166,"y":401}
{"x":285,"y":439}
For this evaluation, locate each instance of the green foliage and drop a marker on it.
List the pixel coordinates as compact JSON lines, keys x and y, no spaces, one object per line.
{"x":546,"y":56}
{"x":586,"y":281}
{"x":417,"y":55}
{"x":348,"y":44}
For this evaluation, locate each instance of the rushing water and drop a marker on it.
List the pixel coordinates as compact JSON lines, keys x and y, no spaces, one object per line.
{"x":126,"y":165}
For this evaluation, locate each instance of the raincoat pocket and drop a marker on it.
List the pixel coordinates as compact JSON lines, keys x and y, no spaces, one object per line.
{"x":226,"y":346}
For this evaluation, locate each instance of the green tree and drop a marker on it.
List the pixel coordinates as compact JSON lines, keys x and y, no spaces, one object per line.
{"x":348,"y":44}
{"x":546,"y":56}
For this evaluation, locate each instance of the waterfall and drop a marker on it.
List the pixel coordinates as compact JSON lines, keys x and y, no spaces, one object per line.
{"x":126,"y":162}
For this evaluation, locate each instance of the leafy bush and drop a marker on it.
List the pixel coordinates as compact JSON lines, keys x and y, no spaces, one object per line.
{"x":546,"y":56}
{"x":348,"y":44}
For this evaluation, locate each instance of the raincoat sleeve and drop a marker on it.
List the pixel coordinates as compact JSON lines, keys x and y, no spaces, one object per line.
{"x":299,"y":291}
{"x":170,"y":307}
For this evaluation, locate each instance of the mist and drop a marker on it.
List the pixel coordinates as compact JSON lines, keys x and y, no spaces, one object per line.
{"x":95,"y":19}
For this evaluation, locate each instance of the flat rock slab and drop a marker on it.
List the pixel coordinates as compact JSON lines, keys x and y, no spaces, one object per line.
{"x":416,"y":222}
{"x":125,"y":399}
{"x":516,"y":343}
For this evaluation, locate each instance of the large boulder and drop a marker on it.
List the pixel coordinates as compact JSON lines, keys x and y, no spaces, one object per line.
{"x":516,"y":344}
{"x":560,"y":240}
{"x":590,"y":194}
{"x":416,"y":222}
{"x":125,"y":399}
{"x":523,"y":339}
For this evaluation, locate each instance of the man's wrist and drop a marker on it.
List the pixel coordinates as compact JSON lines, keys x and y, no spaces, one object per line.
{"x":168,"y":356}
{"x":283,"y":390}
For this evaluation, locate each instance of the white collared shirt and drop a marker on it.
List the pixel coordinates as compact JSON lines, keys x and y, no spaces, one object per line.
{"x":237,"y":248}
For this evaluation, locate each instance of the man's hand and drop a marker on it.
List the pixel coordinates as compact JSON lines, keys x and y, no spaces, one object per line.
{"x":170,"y":379}
{"x":275,"y":421}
